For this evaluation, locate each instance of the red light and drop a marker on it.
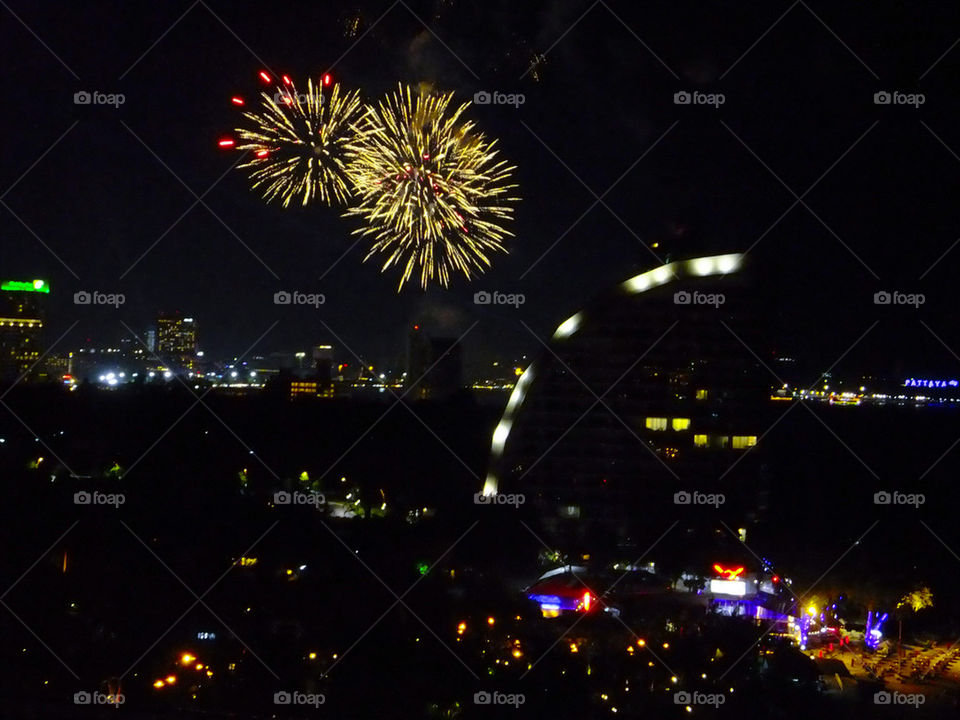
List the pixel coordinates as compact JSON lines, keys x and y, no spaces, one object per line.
{"x":237,"y":100}
{"x":327,"y":79}
{"x":586,"y":601}
{"x":226,"y":142}
{"x":287,"y":80}
{"x":776,"y":578}
{"x":288,"y":101}
{"x":263,"y":153}
{"x":264,"y":76}
{"x":416,"y":327}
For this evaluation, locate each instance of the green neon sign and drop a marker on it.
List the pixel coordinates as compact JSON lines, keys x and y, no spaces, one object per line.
{"x":25,"y":286}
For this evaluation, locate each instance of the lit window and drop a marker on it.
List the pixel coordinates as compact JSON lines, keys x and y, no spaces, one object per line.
{"x":680,"y":423}
{"x":655,"y":423}
{"x":702,"y":394}
{"x":721,"y":441}
{"x":700,"y":440}
{"x":744,"y":441}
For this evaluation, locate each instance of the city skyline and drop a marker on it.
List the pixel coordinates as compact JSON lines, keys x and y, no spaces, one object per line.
{"x":672,"y":191}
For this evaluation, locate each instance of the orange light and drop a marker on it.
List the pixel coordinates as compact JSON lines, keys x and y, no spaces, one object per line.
{"x":461,"y":628}
{"x":171,"y":679}
{"x":199,"y":666}
{"x":264,"y":76}
{"x":226,"y":142}
{"x":730,"y":573}
{"x":641,"y":642}
{"x":158,"y":684}
{"x":187,"y":658}
{"x":491,"y":620}
{"x":586,"y":601}
{"x":237,"y":100}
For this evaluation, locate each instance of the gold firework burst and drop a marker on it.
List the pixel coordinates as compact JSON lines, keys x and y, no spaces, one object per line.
{"x":430,"y":189}
{"x":297,"y":139}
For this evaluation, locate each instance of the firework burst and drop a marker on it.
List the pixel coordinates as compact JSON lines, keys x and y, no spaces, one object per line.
{"x":296,"y":141}
{"x":429,"y":188}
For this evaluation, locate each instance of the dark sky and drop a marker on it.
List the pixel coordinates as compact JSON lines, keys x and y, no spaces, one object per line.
{"x":798,"y":81}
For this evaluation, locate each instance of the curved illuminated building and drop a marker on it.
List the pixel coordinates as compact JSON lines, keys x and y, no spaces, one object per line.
{"x":651,"y":390}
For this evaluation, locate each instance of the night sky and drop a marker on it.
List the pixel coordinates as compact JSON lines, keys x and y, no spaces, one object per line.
{"x":798,"y":80}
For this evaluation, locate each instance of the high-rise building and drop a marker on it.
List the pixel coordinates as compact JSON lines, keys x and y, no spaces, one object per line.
{"x":323,"y":363}
{"x":21,"y":326}
{"x":647,"y":395}
{"x":177,"y":340}
{"x":302,"y":381}
{"x":434,"y":365}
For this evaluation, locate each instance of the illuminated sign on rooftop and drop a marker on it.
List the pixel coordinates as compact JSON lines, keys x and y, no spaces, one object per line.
{"x":728,"y":587}
{"x":729,"y":573}
{"x":918,"y":382}
{"x":41,"y":286}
